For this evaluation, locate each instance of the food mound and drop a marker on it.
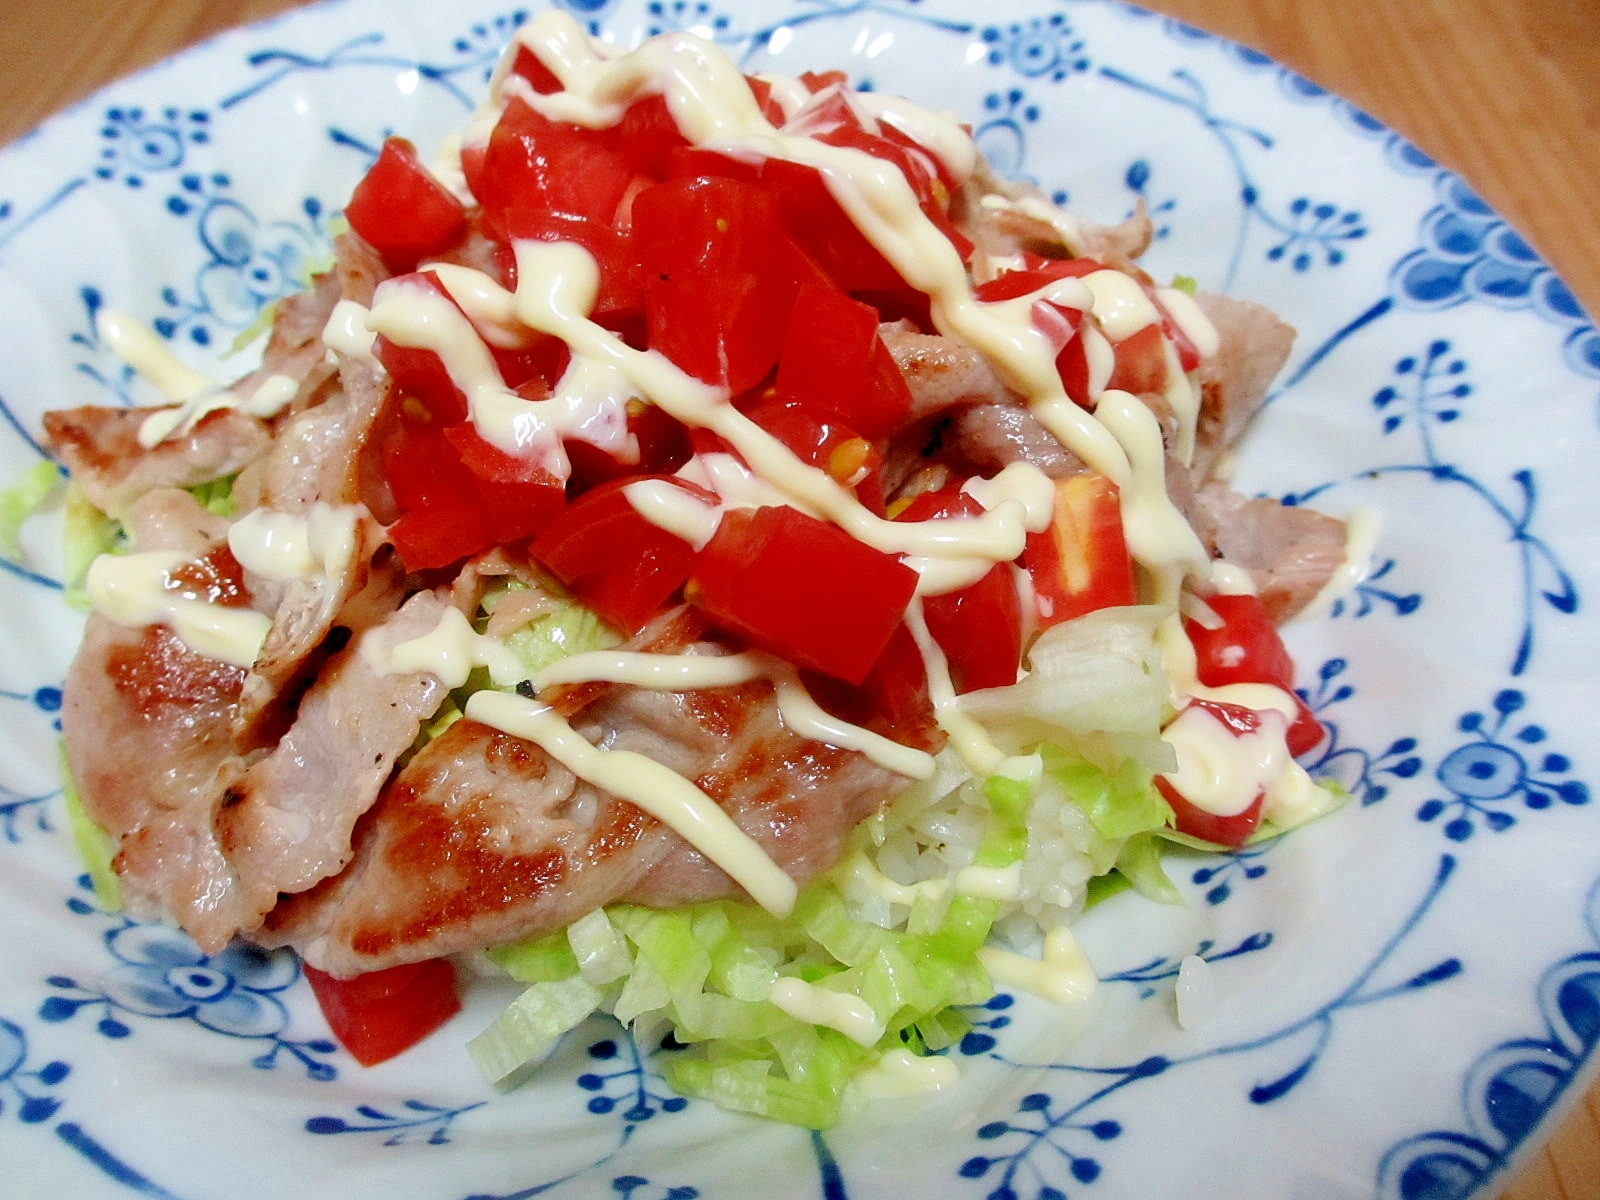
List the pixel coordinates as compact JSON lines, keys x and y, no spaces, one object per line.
{"x":710,"y":550}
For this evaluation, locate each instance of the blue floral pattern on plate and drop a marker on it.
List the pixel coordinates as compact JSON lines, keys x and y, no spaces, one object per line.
{"x":1445,"y":377}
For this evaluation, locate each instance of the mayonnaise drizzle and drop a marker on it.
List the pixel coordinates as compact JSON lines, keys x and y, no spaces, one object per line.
{"x":136,"y":590}
{"x":309,"y":545}
{"x":849,"y":1014}
{"x":656,"y":789}
{"x":900,"y":1074}
{"x":1062,"y":975}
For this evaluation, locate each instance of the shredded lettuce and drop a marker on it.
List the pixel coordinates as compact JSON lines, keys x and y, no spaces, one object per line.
{"x":1118,"y":803}
{"x":705,"y":973}
{"x":571,"y":629}
{"x":215,"y":496}
{"x":1140,"y":864}
{"x":1095,"y":686}
{"x":95,"y":845}
{"x":1186,"y":284}
{"x":88,"y":534}
{"x":21,"y":500}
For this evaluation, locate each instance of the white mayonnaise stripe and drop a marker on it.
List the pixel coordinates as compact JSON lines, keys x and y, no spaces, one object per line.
{"x":686,"y":672}
{"x":282,"y":545}
{"x":656,"y":789}
{"x":1062,"y":975}
{"x":131,"y":589}
{"x":850,"y":1015}
{"x":194,"y":395}
{"x":970,"y":740}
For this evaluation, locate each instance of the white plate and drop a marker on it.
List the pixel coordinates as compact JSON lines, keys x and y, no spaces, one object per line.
{"x":1407,"y":991}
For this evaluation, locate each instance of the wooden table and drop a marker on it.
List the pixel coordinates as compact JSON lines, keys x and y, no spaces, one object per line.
{"x":1506,"y":92}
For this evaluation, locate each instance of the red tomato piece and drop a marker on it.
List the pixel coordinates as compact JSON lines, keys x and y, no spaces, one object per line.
{"x":663,"y":448}
{"x":979,"y":628}
{"x":803,"y":589}
{"x":614,"y":560}
{"x":534,"y":166}
{"x":647,"y":134}
{"x":1081,"y":563}
{"x":519,"y":496}
{"x":831,"y":445}
{"x":834,"y":361}
{"x":402,"y":211}
{"x":377,"y":1015}
{"x":814,"y":219}
{"x":1141,"y":362}
{"x":892,"y":700}
{"x":1247,"y":648}
{"x":770,"y":108}
{"x":1008,"y":285}
{"x":420,"y":373}
{"x":541,"y":77}
{"x":716,"y":303}
{"x":621,"y":286}
{"x":1234,"y":830}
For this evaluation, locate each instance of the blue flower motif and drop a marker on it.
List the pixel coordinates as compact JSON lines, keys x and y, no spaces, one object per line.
{"x":164,"y":974}
{"x":1000,"y":137}
{"x":1486,"y":774}
{"x":1044,"y":46}
{"x":19,"y":1084}
{"x":693,"y":16}
{"x":251,"y":264}
{"x":137,"y":145}
{"x":1469,"y":253}
{"x":161,"y":973}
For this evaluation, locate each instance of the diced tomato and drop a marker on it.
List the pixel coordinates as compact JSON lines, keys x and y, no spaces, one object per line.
{"x":1247,"y":648}
{"x":519,"y":496}
{"x":533,"y":371}
{"x":440,"y":534}
{"x":802,"y":588}
{"x":614,"y":560}
{"x":621,"y":285}
{"x":715,"y":302}
{"x":663,"y":448}
{"x":979,"y":628}
{"x":948,"y":501}
{"x":1062,"y":324}
{"x":1141,"y":361}
{"x":686,"y":162}
{"x":821,"y":441}
{"x":647,"y":135}
{"x":541,"y":77}
{"x":813,"y":217}
{"x":1081,"y":563}
{"x":834,"y":361}
{"x":402,"y":211}
{"x":816,"y":81}
{"x":1008,"y":285}
{"x":770,"y":108}
{"x":892,"y":700}
{"x":420,"y":373}
{"x":534,"y":166}
{"x":377,"y":1015}
{"x":1233,"y":830}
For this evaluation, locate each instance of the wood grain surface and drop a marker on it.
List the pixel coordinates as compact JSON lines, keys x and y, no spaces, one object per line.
{"x":1505,"y":92}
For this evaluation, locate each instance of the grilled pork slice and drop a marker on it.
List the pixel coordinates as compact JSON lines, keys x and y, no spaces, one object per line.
{"x":483,"y":839}
{"x":1290,"y":552}
{"x":147,"y":725}
{"x":1252,"y":346}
